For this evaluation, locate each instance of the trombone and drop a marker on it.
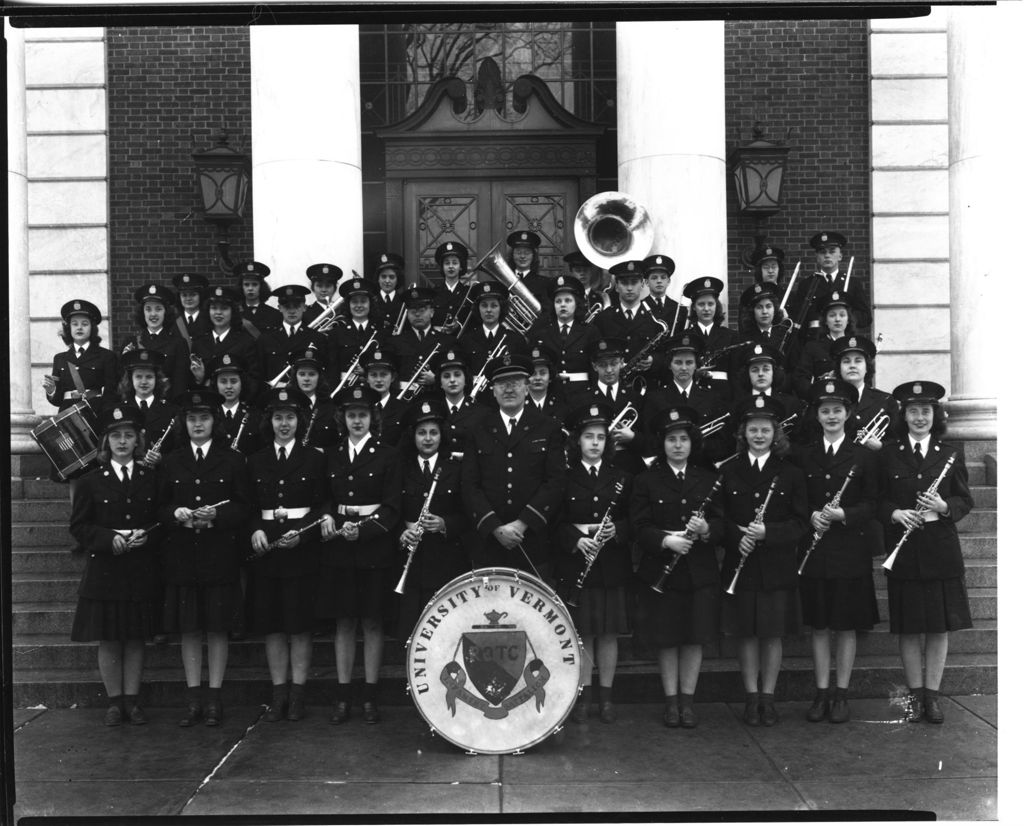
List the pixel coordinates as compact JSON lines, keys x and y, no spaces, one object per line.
{"x":480,"y":382}
{"x":712,"y":426}
{"x":875,"y":429}
{"x":350,"y":376}
{"x":412,"y":389}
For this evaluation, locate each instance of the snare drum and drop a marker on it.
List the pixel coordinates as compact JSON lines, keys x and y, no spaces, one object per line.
{"x":68,"y":440}
{"x":494,"y":663}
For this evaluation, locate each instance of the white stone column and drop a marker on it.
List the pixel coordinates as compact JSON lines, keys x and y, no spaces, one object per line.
{"x":306,"y":152}
{"x":671,"y":127}
{"x":23,"y":417}
{"x":981,"y":49}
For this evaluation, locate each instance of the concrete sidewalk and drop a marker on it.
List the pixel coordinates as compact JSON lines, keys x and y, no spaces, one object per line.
{"x":68,"y":763}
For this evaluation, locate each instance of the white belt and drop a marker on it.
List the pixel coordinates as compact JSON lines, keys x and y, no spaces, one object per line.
{"x":357,"y":510}
{"x":71,"y":394}
{"x":126,"y":532}
{"x":284,"y":513}
{"x":573,"y":376}
{"x":587,"y":528}
{"x":719,"y":375}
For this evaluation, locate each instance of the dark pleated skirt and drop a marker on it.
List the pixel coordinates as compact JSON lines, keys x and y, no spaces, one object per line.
{"x":354,"y":592}
{"x":930,"y":606}
{"x":678,"y":617}
{"x":839,"y":604}
{"x":189,"y":608}
{"x":109,"y":619}
{"x":280,"y":605}
{"x":761,"y":614}
{"x":602,"y":611}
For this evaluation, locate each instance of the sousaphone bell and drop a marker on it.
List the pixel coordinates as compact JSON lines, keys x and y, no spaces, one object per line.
{"x":611,"y":227}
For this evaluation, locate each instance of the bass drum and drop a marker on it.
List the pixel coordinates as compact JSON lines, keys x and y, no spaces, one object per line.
{"x":494,"y":662}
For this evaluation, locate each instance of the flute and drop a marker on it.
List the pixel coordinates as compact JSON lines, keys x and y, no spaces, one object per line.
{"x":418,"y":529}
{"x":659,"y":586}
{"x":833,"y":503}
{"x":357,"y":524}
{"x":757,"y":520}
{"x":602,"y":538}
{"x":277,"y":543}
{"x":188,"y":523}
{"x":136,"y":534}
{"x":933,"y":488}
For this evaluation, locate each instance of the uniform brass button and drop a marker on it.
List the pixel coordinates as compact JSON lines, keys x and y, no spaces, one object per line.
{"x":198,"y":481}
{"x":509,"y":486}
{"x":595,"y":498}
{"x":510,"y":470}
{"x":510,"y":455}
{"x":198,"y":498}
{"x":828,"y":475}
{"x":509,"y":501}
{"x":757,"y":495}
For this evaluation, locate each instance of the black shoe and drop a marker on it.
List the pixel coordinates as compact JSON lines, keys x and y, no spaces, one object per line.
{"x":607,"y":712}
{"x":371,"y":714}
{"x":932,"y":711}
{"x":769,"y":716}
{"x":113,"y":716}
{"x":342,"y":712}
{"x":193,"y":716}
{"x":840,"y":711}
{"x":687,"y":719}
{"x":915,"y":711}
{"x":136,"y":717}
{"x":819,"y":709}
{"x":579,"y":712}
{"x":214,"y":712}
{"x":751,"y":716}
{"x":278,"y":704}
{"x":296,"y":703}
{"x":671,"y":716}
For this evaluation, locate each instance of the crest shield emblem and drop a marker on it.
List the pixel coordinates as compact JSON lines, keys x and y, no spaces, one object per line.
{"x":494,"y":661}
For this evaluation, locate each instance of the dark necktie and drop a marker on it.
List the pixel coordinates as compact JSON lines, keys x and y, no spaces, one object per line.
{"x":189,"y":321}
{"x":125,"y":478}
{"x":228,"y":416}
{"x":629,"y":315}
{"x":426,"y":471}
{"x":680,"y":475}
{"x":79,"y":351}
{"x":753,"y":465}
{"x":281,"y":455}
{"x":918,"y":457}
{"x":593,"y":471}
{"x":490,"y":337}
{"x":387,"y":299}
{"x":455,"y":409}
{"x":511,"y":426}
{"x":565,"y":331}
{"x":830,"y":453}
{"x":608,"y":392}
{"x":199,"y":456}
{"x":144,"y":407}
{"x":291,"y":331}
{"x":661,"y":303}
{"x":684,"y":396}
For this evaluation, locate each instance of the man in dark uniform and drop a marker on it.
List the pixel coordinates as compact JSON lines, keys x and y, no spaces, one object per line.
{"x":631,"y":321}
{"x":594,"y":297}
{"x":275,"y":347}
{"x":606,"y":361}
{"x":191,"y":289}
{"x":389,"y":275}
{"x":513,"y":476}
{"x":418,"y":341}
{"x":323,"y":280}
{"x":255,"y":292}
{"x":346,"y":341}
{"x":658,"y":271}
{"x":828,"y":253}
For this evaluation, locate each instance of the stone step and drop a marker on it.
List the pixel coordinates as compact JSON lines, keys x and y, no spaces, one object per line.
{"x":978,"y":473}
{"x":978,"y":573}
{"x":974,"y":449}
{"x":29,"y":465}
{"x":979,"y":520}
{"x":55,"y":511}
{"x":34,"y":534}
{"x":56,"y":651}
{"x":985,"y":496}
{"x":873,"y":676}
{"x":978,"y":545}
{"x":991,"y":468}
{"x":47,"y":559}
{"x":41,"y":488}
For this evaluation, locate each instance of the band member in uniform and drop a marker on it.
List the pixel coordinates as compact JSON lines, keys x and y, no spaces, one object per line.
{"x":927,"y":592}
{"x":593,"y":488}
{"x":524,"y":250}
{"x":631,"y":321}
{"x":156,"y":331}
{"x":761,"y":372}
{"x":461,"y":414}
{"x":308,"y":373}
{"x":815,"y":359}
{"x":677,"y":534}
{"x":487,"y":329}
{"x":276,"y":347}
{"x":347,"y":342}
{"x":323,"y":282}
{"x":451,"y":310}
{"x":658,"y":271}
{"x":380,"y":366}
{"x":606,"y":360}
{"x":204,"y":498}
{"x":96,"y":366}
{"x":542,"y":395}
{"x":767,"y":262}
{"x":389,"y":275}
{"x":288,"y":481}
{"x":707,"y":319}
{"x":837,"y":590}
{"x":143,"y":389}
{"x":191,"y":289}
{"x":240,"y":420}
{"x":255,"y":292}
{"x":595,"y":296}
{"x":418,"y":341}
{"x":568,"y":335}
{"x":435,"y":531}
{"x":828,"y":251}
{"x":764,"y":607}
{"x":355,"y":580}
{"x":761,"y":315}
{"x":854,"y":359}
{"x":513,"y":476}
{"x":225,"y":335}
{"x":112,"y":508}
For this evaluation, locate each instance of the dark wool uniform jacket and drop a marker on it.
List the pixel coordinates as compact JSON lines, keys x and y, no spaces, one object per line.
{"x":203,"y":556}
{"x":98,"y":370}
{"x":175,"y":349}
{"x":297,"y":482}
{"x":846,"y":548}
{"x":373,"y":479}
{"x":239,"y":344}
{"x":662,"y":503}
{"x":773,"y":562}
{"x":505,"y":478}
{"x":931,"y":552}
{"x":275,"y":350}
{"x":101,"y":504}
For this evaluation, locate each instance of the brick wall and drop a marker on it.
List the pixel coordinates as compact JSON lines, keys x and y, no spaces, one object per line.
{"x":168,"y":87}
{"x":811,"y":77}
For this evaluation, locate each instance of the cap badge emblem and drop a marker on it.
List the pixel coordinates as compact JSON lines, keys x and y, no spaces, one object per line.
{"x":707,"y":282}
{"x":602,"y":345}
{"x":357,"y":393}
{"x":144,"y":356}
{"x":830,"y":388}
{"x":227,"y":358}
{"x":425,"y":407}
{"x":250,"y":267}
{"x":561,"y":281}
{"x":78,"y":305}
{"x":768,"y":251}
{"x":118,"y":415}
{"x":674,"y":415}
{"x":535,"y":354}
{"x":759,"y":402}
{"x":523,"y":236}
{"x":448,"y":247}
{"x":325,"y":269}
{"x":918,"y":390}
{"x":853,"y":342}
{"x":377,"y":356}
{"x":310,"y":354}
{"x":152,"y":289}
{"x":835,"y":296}
{"x":594,"y":411}
{"x":507,"y":359}
{"x":757,"y":289}
{"x":283,"y":396}
{"x":658,"y":260}
{"x":196,"y":398}
{"x":758,"y":349}
{"x":185,"y":279}
{"x":824,"y":236}
{"x":450,"y":355}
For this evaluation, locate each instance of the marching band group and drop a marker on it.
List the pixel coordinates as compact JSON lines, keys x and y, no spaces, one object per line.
{"x":670,"y":476}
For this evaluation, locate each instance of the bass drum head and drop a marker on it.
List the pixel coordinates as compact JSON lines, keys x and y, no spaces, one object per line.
{"x":494,"y":663}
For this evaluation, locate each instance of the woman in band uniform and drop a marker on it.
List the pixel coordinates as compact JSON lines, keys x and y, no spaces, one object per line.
{"x":854,"y":359}
{"x":595,"y":488}
{"x":765,"y":604}
{"x":837,"y":590}
{"x":927,"y":592}
{"x":117,"y":600}
{"x":156,"y":330}
{"x":451,"y":308}
{"x":707,"y":320}
{"x":204,"y":497}
{"x":254,"y":290}
{"x":239,"y":420}
{"x":308,"y":376}
{"x":569,"y":336}
{"x":686,"y":614}
{"x":288,"y":480}
{"x":356,"y":564}
{"x":226,"y":335}
{"x":815,"y":361}
{"x":543,"y":392}
{"x":96,"y":365}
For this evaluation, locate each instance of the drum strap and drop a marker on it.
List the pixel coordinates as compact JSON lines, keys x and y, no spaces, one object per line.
{"x":180,"y":322}
{"x":76,"y":377}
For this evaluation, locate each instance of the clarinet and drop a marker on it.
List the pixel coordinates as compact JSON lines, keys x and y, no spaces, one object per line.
{"x":659,"y":586}
{"x":418,"y":528}
{"x":241,"y":429}
{"x":602,"y":528}
{"x":932,"y":488}
{"x":834,"y":503}
{"x":757,"y":520}
{"x":277,"y":543}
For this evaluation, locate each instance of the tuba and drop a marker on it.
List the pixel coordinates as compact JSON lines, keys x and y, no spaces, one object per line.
{"x":611,"y":227}
{"x":523,"y":307}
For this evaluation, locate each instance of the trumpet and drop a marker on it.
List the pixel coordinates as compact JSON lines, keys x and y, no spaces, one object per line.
{"x":659,"y":586}
{"x":627,"y":417}
{"x":328,"y":318}
{"x":712,"y":426}
{"x":523,"y":307}
{"x":875,"y":429}
{"x":280,"y":376}
{"x":418,"y":529}
{"x":932,"y":489}
{"x":757,"y":520}
{"x":480,"y":382}
{"x":602,"y":537}
{"x":349,"y":377}
{"x":412,"y":389}
{"x":159,"y":442}
{"x":834,"y":503}
{"x":400,"y":320}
